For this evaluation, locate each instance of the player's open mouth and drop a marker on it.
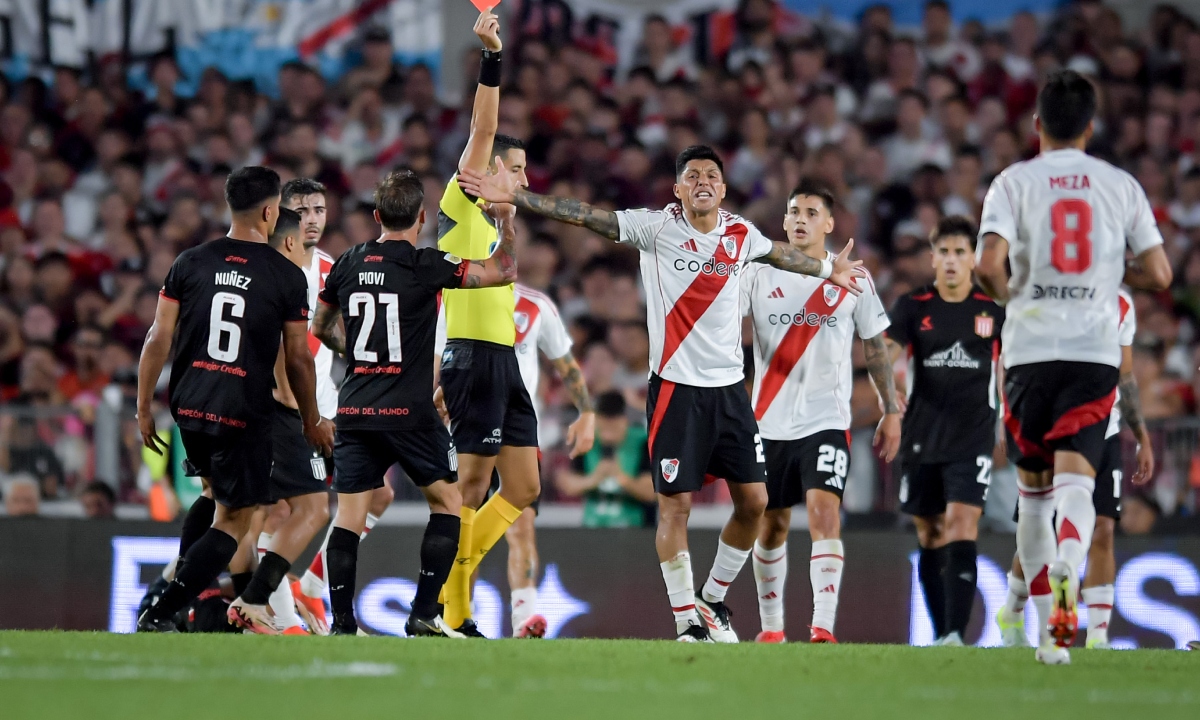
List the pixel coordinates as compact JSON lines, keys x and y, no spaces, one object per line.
{"x":704,"y":195}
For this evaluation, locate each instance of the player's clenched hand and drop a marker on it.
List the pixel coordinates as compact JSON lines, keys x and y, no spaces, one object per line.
{"x":846,"y":271}
{"x":581,"y":434}
{"x":320,"y":436}
{"x":487,"y":29}
{"x":887,"y":436}
{"x":150,"y":437}
{"x":439,"y":402}
{"x":497,"y":188}
{"x":1145,"y":463}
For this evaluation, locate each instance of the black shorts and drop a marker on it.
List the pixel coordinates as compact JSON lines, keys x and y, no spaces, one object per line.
{"x":236,"y":464}
{"x":926,"y":488}
{"x":820,"y":461}
{"x":297,"y":469}
{"x":361,"y":457}
{"x":1106,"y":498}
{"x":696,"y":431}
{"x":1059,"y":406}
{"x":488,"y":404}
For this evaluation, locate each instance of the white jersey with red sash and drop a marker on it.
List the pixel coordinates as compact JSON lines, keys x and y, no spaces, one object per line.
{"x":327,"y":394}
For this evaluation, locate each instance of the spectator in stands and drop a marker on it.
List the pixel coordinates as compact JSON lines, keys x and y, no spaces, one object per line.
{"x":87,"y":376}
{"x":613,"y":478}
{"x":98,"y":500}
{"x":21,"y":497}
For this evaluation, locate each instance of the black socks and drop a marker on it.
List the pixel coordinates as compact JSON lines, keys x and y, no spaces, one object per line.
{"x":438,"y":549}
{"x":271,"y":569}
{"x":198,"y":519}
{"x":929,"y":572}
{"x":959,"y":580}
{"x":206,"y":558}
{"x":341,"y":559}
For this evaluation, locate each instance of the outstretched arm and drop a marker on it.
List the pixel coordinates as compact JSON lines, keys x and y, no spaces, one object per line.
{"x":325,"y":328}
{"x":842,"y":271}
{"x":501,"y":267}
{"x":485,"y":112}
{"x":990,"y":270}
{"x":150,"y":366}
{"x":879,"y":365}
{"x":502,"y":188}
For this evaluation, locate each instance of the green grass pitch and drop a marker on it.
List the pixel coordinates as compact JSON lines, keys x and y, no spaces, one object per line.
{"x":97,"y":675}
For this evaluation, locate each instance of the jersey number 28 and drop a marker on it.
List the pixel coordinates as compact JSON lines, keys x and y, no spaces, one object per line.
{"x":1071,"y":248}
{"x":363,"y":303}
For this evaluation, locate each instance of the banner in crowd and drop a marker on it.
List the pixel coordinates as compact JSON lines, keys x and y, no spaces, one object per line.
{"x":245,"y":40}
{"x":90,"y":575}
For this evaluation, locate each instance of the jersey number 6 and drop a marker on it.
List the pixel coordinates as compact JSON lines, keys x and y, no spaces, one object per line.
{"x":1071,"y":248}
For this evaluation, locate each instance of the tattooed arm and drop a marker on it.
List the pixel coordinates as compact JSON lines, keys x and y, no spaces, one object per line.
{"x":841,"y":271}
{"x":581,"y":434}
{"x":879,"y":365}
{"x":1130,"y":405}
{"x":570,"y":211}
{"x":327,"y":329}
{"x":501,"y":267}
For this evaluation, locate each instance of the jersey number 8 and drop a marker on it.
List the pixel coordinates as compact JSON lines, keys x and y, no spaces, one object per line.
{"x":363,"y":303}
{"x":1071,"y":248}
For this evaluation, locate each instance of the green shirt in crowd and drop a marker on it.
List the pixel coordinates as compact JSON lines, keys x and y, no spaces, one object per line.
{"x":608,"y":505}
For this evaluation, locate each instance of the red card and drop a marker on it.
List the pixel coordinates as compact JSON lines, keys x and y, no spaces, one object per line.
{"x":485,"y":5}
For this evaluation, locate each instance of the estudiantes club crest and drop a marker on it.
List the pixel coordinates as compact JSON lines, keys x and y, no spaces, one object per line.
{"x":983,"y":325}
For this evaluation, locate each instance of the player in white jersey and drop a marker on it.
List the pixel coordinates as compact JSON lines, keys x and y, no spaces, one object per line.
{"x":700,"y":420}
{"x":1098,"y":589}
{"x":804,"y":330}
{"x":538,"y":327}
{"x":1063,"y":221}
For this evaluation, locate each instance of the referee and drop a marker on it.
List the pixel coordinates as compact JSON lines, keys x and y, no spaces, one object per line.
{"x":492,"y":417}
{"x":950,"y":331}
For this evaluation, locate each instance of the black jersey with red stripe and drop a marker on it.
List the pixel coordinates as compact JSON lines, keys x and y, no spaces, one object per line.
{"x":953,"y":348}
{"x":234,"y":297}
{"x":388,"y":296}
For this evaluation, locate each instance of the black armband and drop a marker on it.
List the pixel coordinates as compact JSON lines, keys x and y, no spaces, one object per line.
{"x":489,"y":69}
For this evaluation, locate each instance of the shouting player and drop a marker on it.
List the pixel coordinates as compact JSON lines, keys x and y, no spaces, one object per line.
{"x":804,"y":330}
{"x":950,"y":332}
{"x":1062,"y":221}
{"x":700,"y":418}
{"x":492,"y":417}
{"x":232,"y":298}
{"x":1101,"y":564}
{"x":386,"y":292}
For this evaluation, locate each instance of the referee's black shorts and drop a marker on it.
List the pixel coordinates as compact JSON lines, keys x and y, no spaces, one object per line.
{"x":488,"y":404}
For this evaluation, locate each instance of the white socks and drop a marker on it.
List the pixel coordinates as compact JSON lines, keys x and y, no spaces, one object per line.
{"x":524,"y":605}
{"x":770,"y":576}
{"x":681,"y":590}
{"x":1035,"y":547}
{"x":1076,"y":517}
{"x":1018,"y":594}
{"x":825,"y":573}
{"x":314,"y":580}
{"x":1099,"y":601}
{"x":725,"y":569}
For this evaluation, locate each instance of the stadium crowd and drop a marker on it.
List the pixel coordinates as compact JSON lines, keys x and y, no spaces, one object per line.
{"x":103,"y":185}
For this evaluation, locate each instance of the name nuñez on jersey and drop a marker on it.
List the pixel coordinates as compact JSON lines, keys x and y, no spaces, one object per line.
{"x":234,"y":278}
{"x":954,"y":356}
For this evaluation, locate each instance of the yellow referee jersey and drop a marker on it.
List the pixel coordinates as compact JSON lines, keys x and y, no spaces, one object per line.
{"x":465,"y":230}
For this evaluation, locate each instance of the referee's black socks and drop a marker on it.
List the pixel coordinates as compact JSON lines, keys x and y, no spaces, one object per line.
{"x":438,"y":550}
{"x":341,"y":563}
{"x":206,"y":558}
{"x":271,"y":569}
{"x":960,"y":585}
{"x":929,"y":571}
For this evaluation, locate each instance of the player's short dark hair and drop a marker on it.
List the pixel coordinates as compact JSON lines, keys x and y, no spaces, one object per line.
{"x":301,"y":187}
{"x":954,"y":226}
{"x":697,"y":152}
{"x":399,"y":198}
{"x":288,"y":224}
{"x":1066,"y":104}
{"x":501,"y":144}
{"x":812,"y":187}
{"x":249,"y":187}
{"x":610,"y":404}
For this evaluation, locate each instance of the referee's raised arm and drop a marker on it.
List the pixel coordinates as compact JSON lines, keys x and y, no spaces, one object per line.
{"x":486,"y":110}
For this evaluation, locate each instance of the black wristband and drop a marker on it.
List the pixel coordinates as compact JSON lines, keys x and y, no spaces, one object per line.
{"x":489,"y":69}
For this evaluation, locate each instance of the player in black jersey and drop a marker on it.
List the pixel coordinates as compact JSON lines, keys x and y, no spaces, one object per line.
{"x":232,"y":299}
{"x":951,"y":333}
{"x":386,"y":293}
